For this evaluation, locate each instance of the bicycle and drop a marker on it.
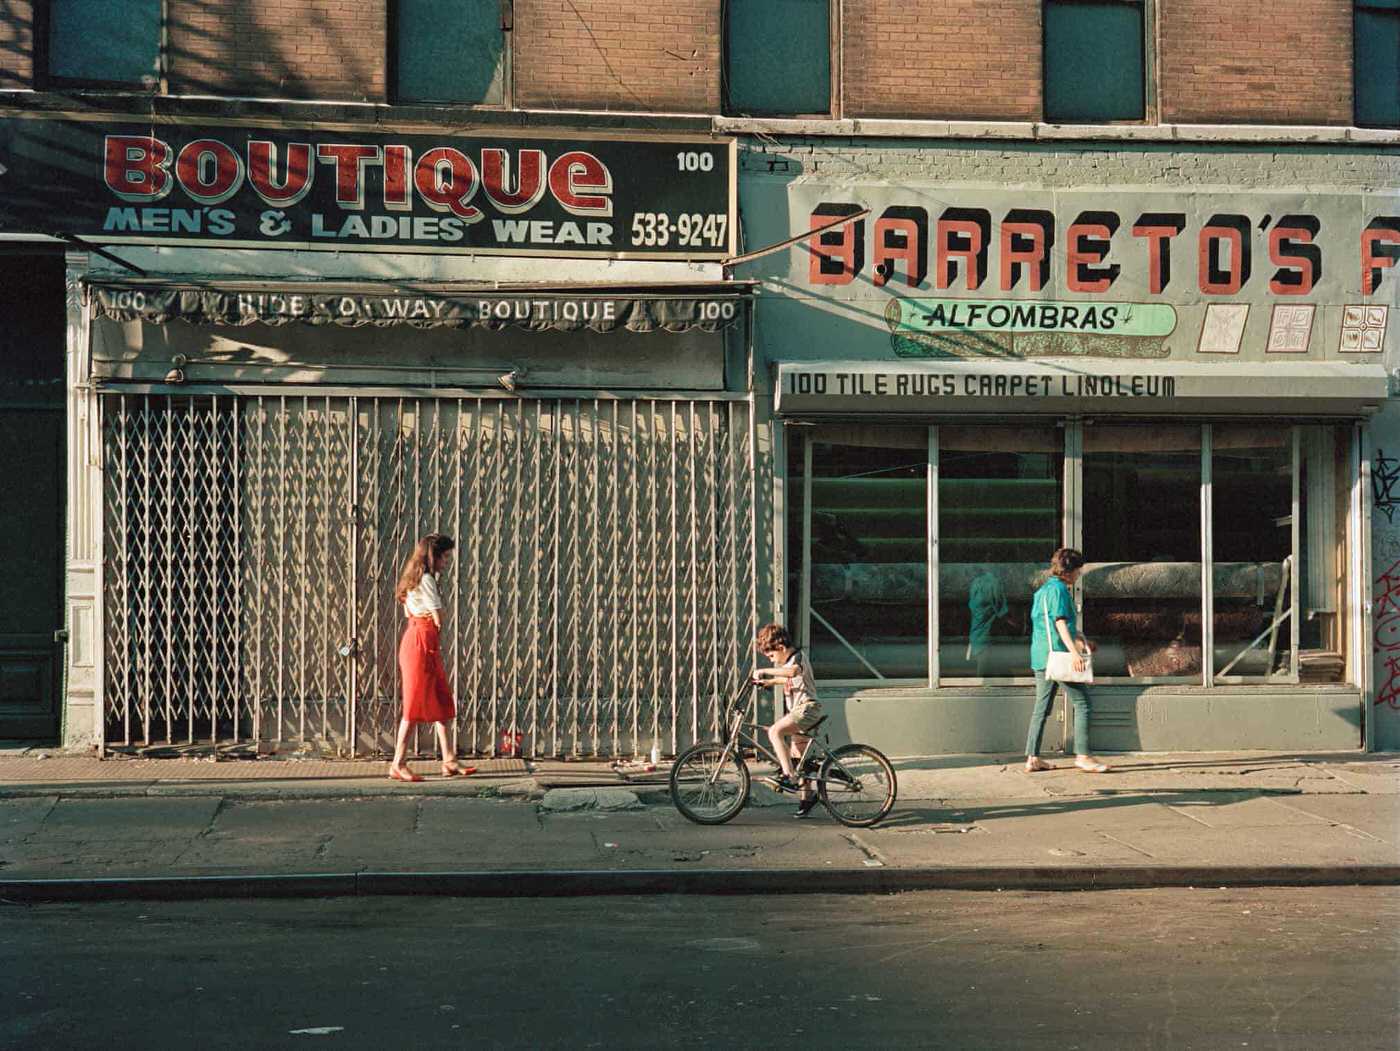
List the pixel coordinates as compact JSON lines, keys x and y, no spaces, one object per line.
{"x":710,"y":782}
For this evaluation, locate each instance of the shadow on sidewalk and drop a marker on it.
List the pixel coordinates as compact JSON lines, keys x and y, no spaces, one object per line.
{"x":59,"y":787}
{"x":971,"y":815}
{"x":1138,"y":762}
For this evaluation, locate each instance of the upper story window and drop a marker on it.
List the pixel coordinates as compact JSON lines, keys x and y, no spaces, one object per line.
{"x":1095,"y":61}
{"x":1377,"y":63}
{"x":777,"y":57}
{"x":452,"y":52}
{"x":105,"y":43}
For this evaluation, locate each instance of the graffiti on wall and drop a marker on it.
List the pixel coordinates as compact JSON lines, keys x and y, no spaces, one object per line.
{"x":1386,"y":641}
{"x":1385,"y":485}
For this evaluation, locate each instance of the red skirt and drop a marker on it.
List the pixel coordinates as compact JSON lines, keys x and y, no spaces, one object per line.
{"x":426,"y":696}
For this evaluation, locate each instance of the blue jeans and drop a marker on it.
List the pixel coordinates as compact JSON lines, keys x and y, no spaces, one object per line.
{"x":1044,"y":698}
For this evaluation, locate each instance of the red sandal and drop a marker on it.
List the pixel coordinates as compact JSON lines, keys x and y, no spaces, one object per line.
{"x":453,"y":770}
{"x":405,"y":774}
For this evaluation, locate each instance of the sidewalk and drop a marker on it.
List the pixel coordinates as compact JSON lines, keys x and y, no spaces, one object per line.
{"x":191,"y":827}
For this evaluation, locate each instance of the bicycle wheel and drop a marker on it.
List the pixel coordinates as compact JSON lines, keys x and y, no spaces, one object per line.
{"x":709,"y":786}
{"x":857,"y":785}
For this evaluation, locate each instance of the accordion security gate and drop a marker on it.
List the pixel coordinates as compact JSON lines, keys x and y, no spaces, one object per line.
{"x":601,"y":599}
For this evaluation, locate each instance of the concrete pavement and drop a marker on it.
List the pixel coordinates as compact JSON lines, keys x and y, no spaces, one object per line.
{"x":184,"y":827}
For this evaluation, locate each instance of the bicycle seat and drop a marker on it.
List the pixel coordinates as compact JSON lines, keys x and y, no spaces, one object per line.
{"x":815,"y":726}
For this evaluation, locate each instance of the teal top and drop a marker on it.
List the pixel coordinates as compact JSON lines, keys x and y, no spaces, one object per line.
{"x":986,"y":599}
{"x":1052,"y":598}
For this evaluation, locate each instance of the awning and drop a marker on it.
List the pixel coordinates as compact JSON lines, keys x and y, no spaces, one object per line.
{"x":1080,"y":386}
{"x":708,"y":307}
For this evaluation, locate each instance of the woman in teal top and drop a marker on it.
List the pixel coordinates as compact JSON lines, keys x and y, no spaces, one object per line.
{"x":1054,"y":604}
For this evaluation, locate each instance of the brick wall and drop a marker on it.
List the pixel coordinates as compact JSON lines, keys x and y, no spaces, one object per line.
{"x":17,"y":44}
{"x":1348,"y":169}
{"x":951,"y":59}
{"x":320,"y":49}
{"x":1270,"y":61}
{"x":661,"y":55}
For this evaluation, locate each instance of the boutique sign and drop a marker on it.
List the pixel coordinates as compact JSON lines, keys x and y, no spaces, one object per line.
{"x":348,"y":190}
{"x":355,"y":307}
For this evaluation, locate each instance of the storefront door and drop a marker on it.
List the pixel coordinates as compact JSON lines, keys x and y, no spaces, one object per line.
{"x":31,"y":504}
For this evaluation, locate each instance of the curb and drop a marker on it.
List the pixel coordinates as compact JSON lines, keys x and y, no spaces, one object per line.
{"x":582,"y":883}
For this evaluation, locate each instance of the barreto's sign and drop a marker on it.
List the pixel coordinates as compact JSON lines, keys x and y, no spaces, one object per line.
{"x":1159,"y":245}
{"x":947,"y":271}
{"x":160,"y":304}
{"x":478,"y":193}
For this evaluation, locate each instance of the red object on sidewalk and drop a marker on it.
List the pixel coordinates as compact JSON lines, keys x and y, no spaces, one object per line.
{"x":427,"y":698}
{"x":511,"y":744}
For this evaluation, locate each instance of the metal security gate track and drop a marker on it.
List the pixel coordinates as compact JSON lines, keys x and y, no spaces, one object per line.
{"x":601,"y":598}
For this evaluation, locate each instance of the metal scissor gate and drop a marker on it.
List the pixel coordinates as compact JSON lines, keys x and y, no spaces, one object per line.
{"x":601,"y":598}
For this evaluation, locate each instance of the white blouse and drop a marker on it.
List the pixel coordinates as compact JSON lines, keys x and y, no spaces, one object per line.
{"x":423,"y":599}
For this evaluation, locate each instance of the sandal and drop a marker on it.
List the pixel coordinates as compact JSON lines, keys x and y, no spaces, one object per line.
{"x":453,"y":770}
{"x":804,"y":806}
{"x":404,"y":774}
{"x":1035,"y":764}
{"x":1090,"y":766}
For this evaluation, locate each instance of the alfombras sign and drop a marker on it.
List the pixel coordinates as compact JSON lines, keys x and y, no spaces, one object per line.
{"x":479,"y":193}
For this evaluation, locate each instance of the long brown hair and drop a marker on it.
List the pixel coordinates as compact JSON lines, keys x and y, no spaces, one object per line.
{"x":1065,"y":561}
{"x":425,"y":555}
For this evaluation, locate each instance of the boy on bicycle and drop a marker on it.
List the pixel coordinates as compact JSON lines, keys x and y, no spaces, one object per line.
{"x":802,"y":711}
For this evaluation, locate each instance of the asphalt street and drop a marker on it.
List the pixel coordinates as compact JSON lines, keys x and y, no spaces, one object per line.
{"x":1199,"y":968}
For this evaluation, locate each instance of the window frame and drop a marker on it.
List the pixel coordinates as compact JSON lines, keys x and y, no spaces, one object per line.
{"x":44,"y":77}
{"x":1151,"y":110}
{"x":834,"y":51}
{"x":395,"y":97}
{"x":1357,"y":7}
{"x":810,"y":435}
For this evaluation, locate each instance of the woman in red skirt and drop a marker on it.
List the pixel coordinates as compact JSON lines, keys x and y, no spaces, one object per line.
{"x":426,"y":696}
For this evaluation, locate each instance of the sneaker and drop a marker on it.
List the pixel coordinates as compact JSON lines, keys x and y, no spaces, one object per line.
{"x":781,"y":783}
{"x":804,"y":807}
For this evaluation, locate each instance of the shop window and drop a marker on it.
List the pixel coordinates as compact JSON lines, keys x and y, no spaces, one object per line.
{"x":452,"y":53}
{"x":105,"y":42}
{"x":1095,"y":62}
{"x":1377,"y":63}
{"x":1142,"y":523}
{"x":1000,"y":494}
{"x":866,"y":552}
{"x":777,"y":57}
{"x":863,"y":548}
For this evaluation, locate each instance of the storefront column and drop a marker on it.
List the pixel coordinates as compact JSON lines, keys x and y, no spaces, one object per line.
{"x":82,"y":686}
{"x":1359,"y":553}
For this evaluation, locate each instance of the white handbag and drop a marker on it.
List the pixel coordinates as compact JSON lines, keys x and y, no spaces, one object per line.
{"x":1059,"y":666}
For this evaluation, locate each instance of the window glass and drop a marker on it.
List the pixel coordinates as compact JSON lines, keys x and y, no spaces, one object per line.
{"x":869,"y":553}
{"x":1094,"y":66}
{"x":999,"y":513}
{"x":453,"y":52}
{"x":1142,"y":540}
{"x":1252,"y":549}
{"x":1377,"y":69}
{"x":105,"y":41}
{"x":1323,"y":498}
{"x":778,"y":56}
